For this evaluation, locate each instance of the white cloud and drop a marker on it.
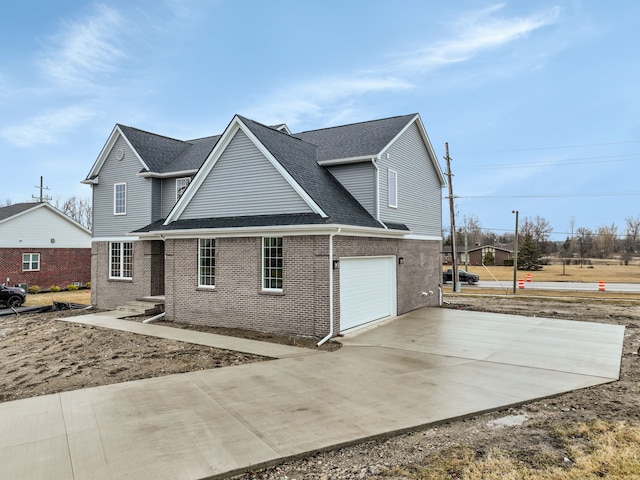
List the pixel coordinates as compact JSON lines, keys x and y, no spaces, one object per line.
{"x":47,"y":128}
{"x":84,"y":50}
{"x":475,"y":33}
{"x":316,"y":99}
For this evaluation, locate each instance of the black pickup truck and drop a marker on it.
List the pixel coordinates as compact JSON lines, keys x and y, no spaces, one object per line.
{"x":470,"y":278}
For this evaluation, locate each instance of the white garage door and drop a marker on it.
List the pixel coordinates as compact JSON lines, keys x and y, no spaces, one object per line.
{"x":367,"y":290}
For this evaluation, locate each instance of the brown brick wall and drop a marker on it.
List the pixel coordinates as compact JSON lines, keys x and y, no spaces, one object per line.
{"x":58,"y":266}
{"x":109,"y":293}
{"x":302,"y":308}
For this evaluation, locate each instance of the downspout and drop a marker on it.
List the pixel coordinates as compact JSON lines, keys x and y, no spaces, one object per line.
{"x":330,"y":334}
{"x":377,"y":193}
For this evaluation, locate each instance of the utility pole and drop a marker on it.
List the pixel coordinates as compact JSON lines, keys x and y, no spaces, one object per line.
{"x":41,"y":198}
{"x":454,"y":255}
{"x":515,"y":253}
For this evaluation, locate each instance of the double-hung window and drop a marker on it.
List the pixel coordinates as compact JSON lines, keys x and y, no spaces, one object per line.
{"x":181,"y":186}
{"x":121,"y":260}
{"x":30,"y":262}
{"x":120,"y":199}
{"x":272,"y":263}
{"x":206,"y":262}
{"x":392,"y":178}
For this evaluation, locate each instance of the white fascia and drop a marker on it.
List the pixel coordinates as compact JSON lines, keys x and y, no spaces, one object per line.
{"x":128,"y":238}
{"x":344,"y":161}
{"x":436,"y":238}
{"x":181,"y":173}
{"x":292,"y":230}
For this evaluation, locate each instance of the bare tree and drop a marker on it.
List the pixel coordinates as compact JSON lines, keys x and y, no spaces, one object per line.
{"x":606,"y":240}
{"x":633,"y":231}
{"x":6,"y":203}
{"x":471,"y":228}
{"x":77,"y":208}
{"x":584,"y":240}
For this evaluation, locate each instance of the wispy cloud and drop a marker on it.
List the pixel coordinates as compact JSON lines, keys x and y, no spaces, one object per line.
{"x":313,"y":100}
{"x":84,"y":50}
{"x":47,"y":128}
{"x":473,"y":34}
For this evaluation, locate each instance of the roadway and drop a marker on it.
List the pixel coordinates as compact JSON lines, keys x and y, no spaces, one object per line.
{"x":566,"y":286}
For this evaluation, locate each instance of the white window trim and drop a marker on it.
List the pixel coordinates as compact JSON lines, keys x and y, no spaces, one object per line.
{"x":200,"y":285}
{"x":188,"y":179}
{"x":115,"y":198}
{"x":392,"y":187}
{"x":30,"y":262}
{"x":262,"y":279}
{"x":121,"y":277}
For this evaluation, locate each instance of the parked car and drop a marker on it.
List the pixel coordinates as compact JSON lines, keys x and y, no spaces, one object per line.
{"x":464,"y":276}
{"x":12,"y":297}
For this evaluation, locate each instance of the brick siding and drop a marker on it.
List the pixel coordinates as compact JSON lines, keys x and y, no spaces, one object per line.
{"x":58,"y":266}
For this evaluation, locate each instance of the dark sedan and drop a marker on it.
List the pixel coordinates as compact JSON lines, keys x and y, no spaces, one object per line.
{"x":463,"y":276}
{"x":12,"y":297}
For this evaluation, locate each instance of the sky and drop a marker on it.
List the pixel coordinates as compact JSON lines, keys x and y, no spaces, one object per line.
{"x":539,"y":101}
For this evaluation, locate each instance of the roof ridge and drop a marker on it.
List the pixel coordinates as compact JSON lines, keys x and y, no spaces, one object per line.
{"x":356,"y":123}
{"x":292,"y":136}
{"x":155,"y":134}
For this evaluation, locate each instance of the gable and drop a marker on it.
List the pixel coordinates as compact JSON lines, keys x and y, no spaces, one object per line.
{"x":55,"y":230}
{"x":243,"y":182}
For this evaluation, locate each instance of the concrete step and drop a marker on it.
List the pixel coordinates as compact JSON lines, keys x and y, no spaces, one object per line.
{"x":141,"y":307}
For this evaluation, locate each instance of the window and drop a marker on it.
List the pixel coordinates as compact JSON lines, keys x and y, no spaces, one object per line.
{"x":121,"y":260}
{"x":392,"y":177}
{"x":206,"y":262}
{"x":272,"y":263}
{"x":30,"y":262}
{"x":120,"y":199}
{"x":181,"y":186}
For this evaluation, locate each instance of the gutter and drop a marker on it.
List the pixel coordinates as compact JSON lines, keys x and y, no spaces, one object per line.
{"x":377,"y":193}
{"x":330,"y":334}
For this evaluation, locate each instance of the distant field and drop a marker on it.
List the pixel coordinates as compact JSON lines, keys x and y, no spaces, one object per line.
{"x":600,"y":271}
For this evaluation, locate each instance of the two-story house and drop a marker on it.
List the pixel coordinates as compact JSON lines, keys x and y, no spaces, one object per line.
{"x":308,"y":234}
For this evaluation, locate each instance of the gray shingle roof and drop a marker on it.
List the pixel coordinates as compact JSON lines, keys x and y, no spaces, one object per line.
{"x":165,"y":154}
{"x":299,"y":154}
{"x":299,"y":159}
{"x":11,"y":210}
{"x":355,"y":140}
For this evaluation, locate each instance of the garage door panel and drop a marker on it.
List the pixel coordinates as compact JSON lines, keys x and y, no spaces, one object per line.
{"x":367,"y":290}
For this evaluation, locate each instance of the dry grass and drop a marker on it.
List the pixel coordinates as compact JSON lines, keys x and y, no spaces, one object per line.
{"x":597,"y":449}
{"x":601,"y":271}
{"x":42,"y":299}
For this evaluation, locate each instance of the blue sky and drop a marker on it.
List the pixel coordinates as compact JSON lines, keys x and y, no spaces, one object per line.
{"x":538,"y":100}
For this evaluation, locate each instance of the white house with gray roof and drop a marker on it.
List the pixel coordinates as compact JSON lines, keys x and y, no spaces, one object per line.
{"x":309,"y":233}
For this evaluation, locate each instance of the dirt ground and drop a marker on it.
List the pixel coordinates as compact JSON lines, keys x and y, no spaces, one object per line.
{"x":40,"y":355}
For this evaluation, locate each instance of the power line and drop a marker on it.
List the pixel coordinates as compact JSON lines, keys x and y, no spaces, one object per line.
{"x":560,"y":162}
{"x":555,"y":195}
{"x":530,"y":149}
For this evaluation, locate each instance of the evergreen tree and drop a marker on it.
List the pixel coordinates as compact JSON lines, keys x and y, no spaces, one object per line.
{"x":529,"y":254}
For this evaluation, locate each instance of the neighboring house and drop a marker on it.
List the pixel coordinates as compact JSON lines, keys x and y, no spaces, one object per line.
{"x":476,"y":255}
{"x":39,"y":245}
{"x":307,"y":234}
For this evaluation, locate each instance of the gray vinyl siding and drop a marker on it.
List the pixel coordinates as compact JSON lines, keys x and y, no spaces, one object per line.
{"x":419,"y":189}
{"x":138,"y":207}
{"x":156,"y":199}
{"x":360,"y":180}
{"x":168,"y":195}
{"x":243,"y":182}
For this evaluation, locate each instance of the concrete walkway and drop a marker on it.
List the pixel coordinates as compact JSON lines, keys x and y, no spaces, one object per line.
{"x":113,"y":319}
{"x":427,"y":366}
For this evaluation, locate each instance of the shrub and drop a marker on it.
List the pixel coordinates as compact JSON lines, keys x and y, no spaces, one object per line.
{"x":72,"y":287}
{"x":89,"y":285}
{"x":34,"y":289}
{"x":54,"y":288}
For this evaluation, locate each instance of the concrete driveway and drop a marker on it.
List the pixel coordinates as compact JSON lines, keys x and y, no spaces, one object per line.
{"x":424,"y":367}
